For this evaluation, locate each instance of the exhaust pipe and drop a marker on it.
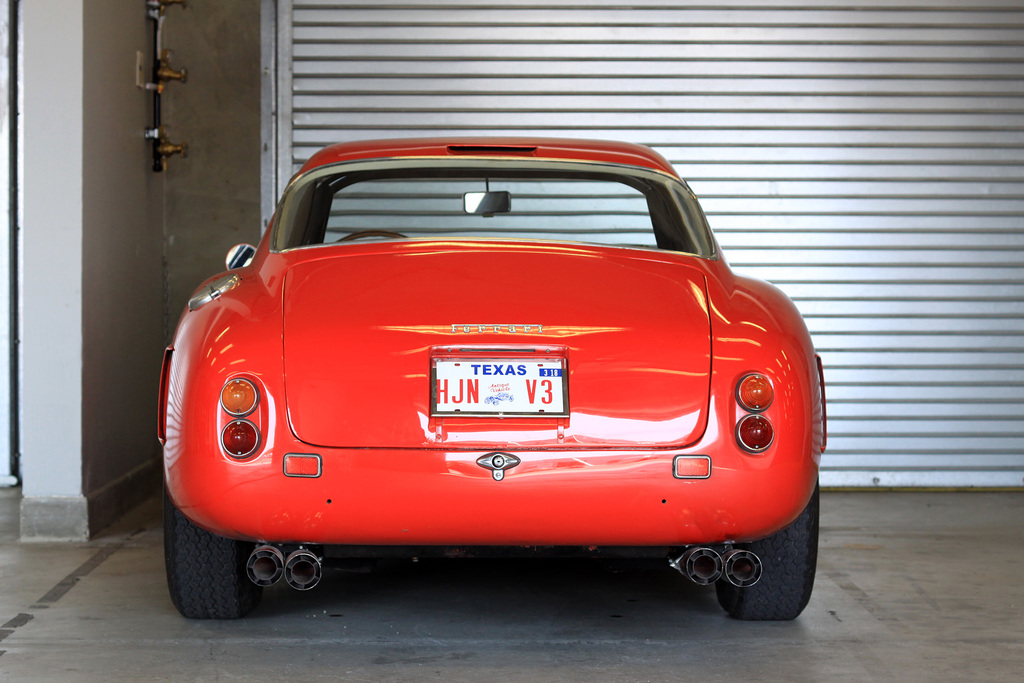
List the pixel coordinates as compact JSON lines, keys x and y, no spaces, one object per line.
{"x":700,"y":565}
{"x":742,"y":567}
{"x":265,"y":565}
{"x":302,"y":570}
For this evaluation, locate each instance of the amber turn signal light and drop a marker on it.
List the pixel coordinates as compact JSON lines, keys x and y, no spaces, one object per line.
{"x":755,"y":433}
{"x":755,"y":392}
{"x":239,"y":397}
{"x":240,"y":438}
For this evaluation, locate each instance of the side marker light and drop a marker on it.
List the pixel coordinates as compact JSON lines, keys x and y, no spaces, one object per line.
{"x":302,"y":465}
{"x":691,"y":467}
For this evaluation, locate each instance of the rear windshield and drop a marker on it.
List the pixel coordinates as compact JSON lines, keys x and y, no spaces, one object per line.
{"x":483,"y":199}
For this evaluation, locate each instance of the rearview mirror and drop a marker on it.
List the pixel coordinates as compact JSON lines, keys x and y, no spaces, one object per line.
{"x":487,"y":203}
{"x":239,"y":256}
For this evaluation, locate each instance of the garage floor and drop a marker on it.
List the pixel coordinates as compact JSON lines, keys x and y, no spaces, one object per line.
{"x":911,"y":587}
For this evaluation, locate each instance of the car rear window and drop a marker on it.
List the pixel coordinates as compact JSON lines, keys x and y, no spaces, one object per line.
{"x":565,"y":202}
{"x":554,"y":209}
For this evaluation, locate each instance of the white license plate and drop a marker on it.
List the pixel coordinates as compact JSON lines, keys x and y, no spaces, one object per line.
{"x":500,"y":386}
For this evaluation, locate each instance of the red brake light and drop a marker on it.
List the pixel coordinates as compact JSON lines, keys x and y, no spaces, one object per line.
{"x":239,"y":397}
{"x":240,"y":438}
{"x":755,"y":433}
{"x":755,"y":392}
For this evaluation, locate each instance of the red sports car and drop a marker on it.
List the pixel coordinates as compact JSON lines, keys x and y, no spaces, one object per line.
{"x":489,"y":346}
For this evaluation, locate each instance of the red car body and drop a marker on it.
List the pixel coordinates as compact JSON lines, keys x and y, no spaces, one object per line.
{"x":345,"y":344}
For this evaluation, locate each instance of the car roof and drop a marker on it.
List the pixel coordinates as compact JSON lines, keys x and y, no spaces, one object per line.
{"x":565,"y":149}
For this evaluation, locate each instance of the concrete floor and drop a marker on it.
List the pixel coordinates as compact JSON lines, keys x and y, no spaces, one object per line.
{"x":911,"y":587}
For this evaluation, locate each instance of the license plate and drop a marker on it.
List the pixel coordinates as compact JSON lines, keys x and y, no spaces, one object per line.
{"x":500,"y":386}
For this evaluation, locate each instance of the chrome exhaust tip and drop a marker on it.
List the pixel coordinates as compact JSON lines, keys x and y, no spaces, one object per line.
{"x":703,"y":566}
{"x":302,"y":570}
{"x":265,"y":565}
{"x":742,"y":567}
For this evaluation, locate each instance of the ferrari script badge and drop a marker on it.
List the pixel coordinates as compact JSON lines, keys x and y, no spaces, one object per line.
{"x":499,"y":328}
{"x":497,"y":463}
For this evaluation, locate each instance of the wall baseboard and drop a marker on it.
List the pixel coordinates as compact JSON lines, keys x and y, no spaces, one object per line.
{"x":79,"y":518}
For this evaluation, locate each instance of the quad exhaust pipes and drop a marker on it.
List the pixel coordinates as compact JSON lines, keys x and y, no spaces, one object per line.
{"x":301,"y":569}
{"x":704,"y":566}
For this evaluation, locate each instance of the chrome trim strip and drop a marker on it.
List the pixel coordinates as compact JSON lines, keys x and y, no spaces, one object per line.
{"x":212,"y":291}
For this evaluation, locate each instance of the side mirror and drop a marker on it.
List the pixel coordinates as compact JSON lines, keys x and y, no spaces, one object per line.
{"x":239,"y":256}
{"x":487,"y":203}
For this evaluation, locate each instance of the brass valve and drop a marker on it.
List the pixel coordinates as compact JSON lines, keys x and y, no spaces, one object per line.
{"x":165,"y":148}
{"x":166,"y":73}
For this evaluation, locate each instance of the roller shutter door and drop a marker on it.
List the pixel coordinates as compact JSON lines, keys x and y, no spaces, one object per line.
{"x":865,"y":157}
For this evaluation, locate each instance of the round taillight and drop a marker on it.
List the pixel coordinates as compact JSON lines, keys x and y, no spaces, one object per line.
{"x":755,"y":392}
{"x":755,"y":433}
{"x":239,"y":397}
{"x":240,"y":438}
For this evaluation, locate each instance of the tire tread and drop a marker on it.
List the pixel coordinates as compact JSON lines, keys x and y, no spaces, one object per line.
{"x":789,"y":558}
{"x":206,"y":573}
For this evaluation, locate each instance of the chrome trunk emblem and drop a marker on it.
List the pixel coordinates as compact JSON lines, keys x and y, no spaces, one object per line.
{"x":496,"y":328}
{"x":497,"y":463}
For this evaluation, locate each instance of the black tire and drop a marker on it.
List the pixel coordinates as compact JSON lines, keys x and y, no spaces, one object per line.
{"x":206,"y":573}
{"x":789,"y":558}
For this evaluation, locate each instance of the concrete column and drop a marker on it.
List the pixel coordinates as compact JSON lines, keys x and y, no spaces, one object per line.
{"x":51,"y":380}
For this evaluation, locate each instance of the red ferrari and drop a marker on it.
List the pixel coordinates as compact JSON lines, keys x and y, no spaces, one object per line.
{"x":489,"y":346}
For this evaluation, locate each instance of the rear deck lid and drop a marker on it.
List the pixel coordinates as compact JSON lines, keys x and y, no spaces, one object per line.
{"x":366,"y":326}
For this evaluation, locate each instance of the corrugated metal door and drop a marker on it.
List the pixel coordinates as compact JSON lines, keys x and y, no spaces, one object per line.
{"x":865,"y":157}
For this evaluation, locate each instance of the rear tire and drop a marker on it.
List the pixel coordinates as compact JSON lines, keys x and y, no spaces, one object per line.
{"x":206,"y":573}
{"x":789,"y":558}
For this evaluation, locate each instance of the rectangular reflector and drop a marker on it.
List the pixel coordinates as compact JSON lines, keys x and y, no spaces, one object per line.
{"x":301,"y":465}
{"x":691,"y":467}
